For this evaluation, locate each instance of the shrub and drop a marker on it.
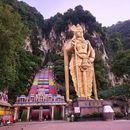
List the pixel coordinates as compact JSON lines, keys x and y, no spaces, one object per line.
{"x":93,"y":116}
{"x":119,"y":115}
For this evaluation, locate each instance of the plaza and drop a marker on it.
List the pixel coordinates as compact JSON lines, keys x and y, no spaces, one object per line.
{"x":64,"y":125}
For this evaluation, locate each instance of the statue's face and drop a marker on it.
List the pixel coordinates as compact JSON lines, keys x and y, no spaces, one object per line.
{"x":78,"y":34}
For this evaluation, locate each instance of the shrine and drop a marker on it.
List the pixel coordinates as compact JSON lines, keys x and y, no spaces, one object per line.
{"x":43,"y":102}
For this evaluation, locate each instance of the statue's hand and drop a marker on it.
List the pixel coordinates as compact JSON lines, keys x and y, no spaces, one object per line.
{"x":73,"y":42}
{"x":89,"y":61}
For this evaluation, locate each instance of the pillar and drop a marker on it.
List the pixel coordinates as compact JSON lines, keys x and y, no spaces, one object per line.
{"x":28,"y":113}
{"x":52,"y":112}
{"x":16,"y":114}
{"x":63,"y":112}
{"x":40,"y":113}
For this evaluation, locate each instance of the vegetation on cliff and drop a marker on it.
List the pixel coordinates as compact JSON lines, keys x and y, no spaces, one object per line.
{"x":16,"y":65}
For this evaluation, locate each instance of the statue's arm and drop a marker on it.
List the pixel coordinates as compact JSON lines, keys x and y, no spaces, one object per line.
{"x":92,"y":53}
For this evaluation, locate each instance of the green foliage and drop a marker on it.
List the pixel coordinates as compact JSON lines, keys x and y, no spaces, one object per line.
{"x":119,"y":52}
{"x":30,"y":16}
{"x":121,"y":63}
{"x":119,"y":115}
{"x":100,"y":72}
{"x":123,"y":28}
{"x":32,"y":19}
{"x":16,"y":65}
{"x":120,"y":90}
{"x":114,"y":44}
{"x":27,"y":65}
{"x":12,"y":37}
{"x":93,"y":115}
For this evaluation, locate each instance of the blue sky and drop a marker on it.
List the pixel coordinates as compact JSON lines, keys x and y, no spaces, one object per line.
{"x":107,"y":12}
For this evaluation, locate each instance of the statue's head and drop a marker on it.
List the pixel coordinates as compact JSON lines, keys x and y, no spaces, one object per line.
{"x":77,"y":30}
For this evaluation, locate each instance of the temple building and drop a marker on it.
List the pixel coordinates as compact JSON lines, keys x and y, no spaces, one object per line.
{"x":43,"y":102}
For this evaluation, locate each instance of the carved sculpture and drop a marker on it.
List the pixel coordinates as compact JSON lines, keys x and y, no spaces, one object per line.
{"x":81,"y":64}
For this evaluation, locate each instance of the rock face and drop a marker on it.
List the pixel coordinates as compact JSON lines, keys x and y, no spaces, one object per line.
{"x":53,"y":42}
{"x":97,"y":43}
{"x":28,"y":46}
{"x":99,"y":46}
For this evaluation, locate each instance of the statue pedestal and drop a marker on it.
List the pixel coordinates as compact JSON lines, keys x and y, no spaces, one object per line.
{"x":84,"y":106}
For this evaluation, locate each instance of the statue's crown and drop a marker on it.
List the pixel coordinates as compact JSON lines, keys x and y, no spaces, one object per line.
{"x":76,"y":28}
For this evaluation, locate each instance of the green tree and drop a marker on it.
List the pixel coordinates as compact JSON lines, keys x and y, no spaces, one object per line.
{"x":100,"y":72}
{"x":13,"y":33}
{"x":114,"y":44}
{"x":26,"y":67}
{"x":121,"y":63}
{"x":16,"y":65}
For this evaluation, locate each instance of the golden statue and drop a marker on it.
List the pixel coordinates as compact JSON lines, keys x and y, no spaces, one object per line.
{"x":81,"y":64}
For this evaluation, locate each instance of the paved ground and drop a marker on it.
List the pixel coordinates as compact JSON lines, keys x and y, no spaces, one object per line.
{"x":63,"y":125}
